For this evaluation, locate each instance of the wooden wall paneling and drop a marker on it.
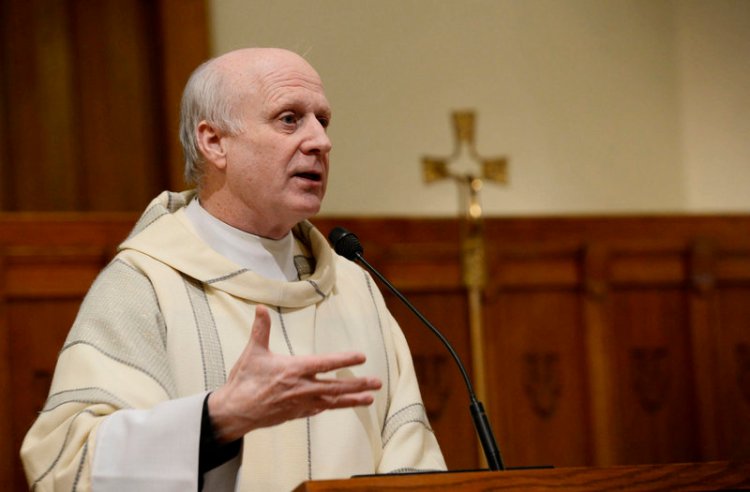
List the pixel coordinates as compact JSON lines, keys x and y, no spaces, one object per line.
{"x":119,"y":110}
{"x":654,"y":379}
{"x":599,"y":333}
{"x":35,"y":231}
{"x":47,"y":265}
{"x":7,"y":449}
{"x":703,"y":332}
{"x":93,"y":90}
{"x":732,"y":340}
{"x":38,"y":82}
{"x":600,"y":350}
{"x":536,"y":358}
{"x":659,"y":421}
{"x":4,"y":139}
{"x":184,"y":45}
{"x":733,"y":269}
{"x":536,"y":363}
{"x":733,"y":375}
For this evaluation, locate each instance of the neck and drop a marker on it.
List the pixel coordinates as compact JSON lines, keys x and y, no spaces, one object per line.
{"x":224,"y":207}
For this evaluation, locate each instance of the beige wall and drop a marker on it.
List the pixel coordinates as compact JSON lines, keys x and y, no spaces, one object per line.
{"x":601,"y":105}
{"x":714,"y":61}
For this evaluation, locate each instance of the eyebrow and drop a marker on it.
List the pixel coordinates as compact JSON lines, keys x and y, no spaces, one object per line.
{"x":285,"y":102}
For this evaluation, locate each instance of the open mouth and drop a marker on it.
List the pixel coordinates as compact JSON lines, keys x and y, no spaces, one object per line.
{"x":309,"y":176}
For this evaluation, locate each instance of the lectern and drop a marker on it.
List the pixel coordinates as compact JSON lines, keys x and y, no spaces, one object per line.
{"x":682,"y":476}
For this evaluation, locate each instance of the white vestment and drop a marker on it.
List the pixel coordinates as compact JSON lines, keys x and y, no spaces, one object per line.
{"x":162,"y":326}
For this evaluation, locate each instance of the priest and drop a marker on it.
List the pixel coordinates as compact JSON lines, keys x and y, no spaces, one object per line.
{"x":226,"y":346}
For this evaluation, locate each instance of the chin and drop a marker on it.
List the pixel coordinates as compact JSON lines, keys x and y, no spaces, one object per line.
{"x":304,"y":213}
{"x":309,"y":205}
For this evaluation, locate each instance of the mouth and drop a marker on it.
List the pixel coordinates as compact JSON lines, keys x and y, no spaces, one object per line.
{"x":309,"y":176}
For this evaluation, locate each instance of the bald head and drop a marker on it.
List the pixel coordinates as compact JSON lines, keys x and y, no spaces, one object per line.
{"x":216,"y":90}
{"x":256,"y":61}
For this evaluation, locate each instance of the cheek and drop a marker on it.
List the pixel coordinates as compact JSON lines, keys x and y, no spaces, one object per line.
{"x":246,"y":164}
{"x":327,"y":173}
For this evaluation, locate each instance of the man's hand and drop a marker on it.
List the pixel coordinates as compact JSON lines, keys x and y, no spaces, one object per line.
{"x":265,"y":389}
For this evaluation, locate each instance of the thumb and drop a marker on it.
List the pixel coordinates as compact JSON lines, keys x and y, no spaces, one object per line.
{"x":259,"y":337}
{"x":261,"y":330}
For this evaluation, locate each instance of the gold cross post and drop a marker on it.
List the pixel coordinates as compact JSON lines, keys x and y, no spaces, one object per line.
{"x":494,"y":169}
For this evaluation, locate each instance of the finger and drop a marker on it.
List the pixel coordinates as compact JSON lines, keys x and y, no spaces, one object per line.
{"x":333,"y":386}
{"x":313,"y":364}
{"x":323,"y":403}
{"x":346,"y":401}
{"x":260,"y":333}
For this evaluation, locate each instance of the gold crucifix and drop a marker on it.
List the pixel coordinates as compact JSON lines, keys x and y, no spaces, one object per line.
{"x":474,"y":270}
{"x":494,"y":169}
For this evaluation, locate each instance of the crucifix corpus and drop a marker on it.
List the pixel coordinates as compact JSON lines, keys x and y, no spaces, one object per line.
{"x":458,"y":167}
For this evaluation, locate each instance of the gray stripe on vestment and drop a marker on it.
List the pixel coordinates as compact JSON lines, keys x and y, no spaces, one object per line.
{"x":80,"y":466}
{"x":91,"y":396}
{"x":62,"y":448}
{"x":227,"y":276}
{"x":317,"y":289}
{"x":385,"y":351}
{"x":212,"y":357}
{"x":414,"y":413}
{"x":307,"y":419}
{"x":121,"y":318}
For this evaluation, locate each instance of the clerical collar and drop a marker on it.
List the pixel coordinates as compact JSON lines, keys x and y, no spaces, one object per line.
{"x":271,"y":258}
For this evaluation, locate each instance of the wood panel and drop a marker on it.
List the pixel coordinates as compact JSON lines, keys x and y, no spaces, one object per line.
{"x":48,"y":263}
{"x":617,"y":340}
{"x":92,"y":90}
{"x":653,"y":377}
{"x":733,"y":346}
{"x":8,"y":462}
{"x":650,"y":291}
{"x":535,"y":362}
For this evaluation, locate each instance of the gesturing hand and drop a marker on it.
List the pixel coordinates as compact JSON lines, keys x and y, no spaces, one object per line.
{"x":265,"y":389}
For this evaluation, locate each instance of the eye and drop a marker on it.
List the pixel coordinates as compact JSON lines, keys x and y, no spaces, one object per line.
{"x":324,"y":121}
{"x":288,"y":118}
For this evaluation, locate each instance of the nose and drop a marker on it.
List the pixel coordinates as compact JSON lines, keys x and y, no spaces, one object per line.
{"x":316,"y":139}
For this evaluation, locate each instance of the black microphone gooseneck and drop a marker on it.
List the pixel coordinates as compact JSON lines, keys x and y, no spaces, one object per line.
{"x":347,"y":245}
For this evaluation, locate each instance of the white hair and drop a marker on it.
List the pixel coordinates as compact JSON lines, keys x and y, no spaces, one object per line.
{"x":207,"y":96}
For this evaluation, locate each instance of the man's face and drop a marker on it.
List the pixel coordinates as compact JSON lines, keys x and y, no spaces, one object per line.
{"x":277,"y":168}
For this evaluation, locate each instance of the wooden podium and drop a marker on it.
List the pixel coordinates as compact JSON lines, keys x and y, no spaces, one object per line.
{"x":683,"y":476}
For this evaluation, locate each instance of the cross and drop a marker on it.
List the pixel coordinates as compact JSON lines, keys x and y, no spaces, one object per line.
{"x":494,"y":169}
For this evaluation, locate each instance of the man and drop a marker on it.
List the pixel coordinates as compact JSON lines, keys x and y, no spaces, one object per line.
{"x":163,"y":384}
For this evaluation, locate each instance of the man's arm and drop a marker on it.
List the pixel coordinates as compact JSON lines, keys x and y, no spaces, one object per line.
{"x":266,"y":389}
{"x":113,"y":363}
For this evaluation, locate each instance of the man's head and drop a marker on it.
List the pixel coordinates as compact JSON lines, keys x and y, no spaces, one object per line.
{"x":254,"y":133}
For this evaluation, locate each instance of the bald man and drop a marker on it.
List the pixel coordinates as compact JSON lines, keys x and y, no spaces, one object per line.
{"x":226,"y":346}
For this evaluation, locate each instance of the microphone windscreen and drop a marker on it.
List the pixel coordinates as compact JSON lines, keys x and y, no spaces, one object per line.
{"x":345,"y":243}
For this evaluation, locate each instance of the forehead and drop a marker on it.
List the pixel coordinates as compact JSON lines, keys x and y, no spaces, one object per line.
{"x":284,"y":86}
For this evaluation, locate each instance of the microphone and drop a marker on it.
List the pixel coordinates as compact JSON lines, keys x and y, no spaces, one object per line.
{"x":347,"y":244}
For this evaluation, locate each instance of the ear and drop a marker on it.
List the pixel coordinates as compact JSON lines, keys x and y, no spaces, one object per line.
{"x":211,"y":144}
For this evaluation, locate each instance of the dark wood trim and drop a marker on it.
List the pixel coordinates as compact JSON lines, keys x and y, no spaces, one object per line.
{"x":185,"y":45}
